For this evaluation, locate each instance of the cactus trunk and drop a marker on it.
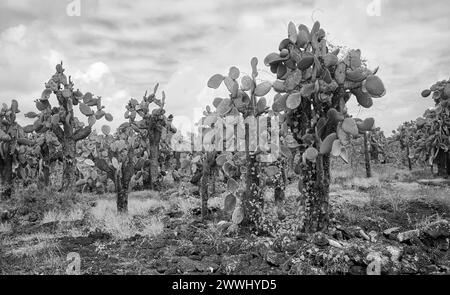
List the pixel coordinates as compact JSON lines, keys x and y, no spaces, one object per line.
{"x":252,"y":202}
{"x":122,"y":195}
{"x":204,"y":188}
{"x":6,"y":177}
{"x":367,"y":155}
{"x":407,"y":156}
{"x":315,"y":181}
{"x":151,"y":182}
{"x":442,"y":161}
{"x":69,"y":164}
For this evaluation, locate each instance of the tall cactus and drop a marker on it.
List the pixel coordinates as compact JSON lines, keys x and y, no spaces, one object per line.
{"x":12,"y":147}
{"x":62,"y":121}
{"x":246,"y":100}
{"x":313,"y":87}
{"x":151,"y":128}
{"x":435,"y":125}
{"x":405,"y":136}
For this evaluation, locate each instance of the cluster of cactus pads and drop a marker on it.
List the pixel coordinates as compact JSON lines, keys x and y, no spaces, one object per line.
{"x":434,"y":128}
{"x":313,"y":86}
{"x":151,"y":125}
{"x":61,"y":121}
{"x":246,"y":103}
{"x":13,"y":147}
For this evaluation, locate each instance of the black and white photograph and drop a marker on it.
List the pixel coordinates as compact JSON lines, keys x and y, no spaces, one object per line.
{"x":198,"y":138}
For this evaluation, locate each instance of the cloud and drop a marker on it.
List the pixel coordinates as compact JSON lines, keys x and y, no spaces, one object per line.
{"x":118,"y":49}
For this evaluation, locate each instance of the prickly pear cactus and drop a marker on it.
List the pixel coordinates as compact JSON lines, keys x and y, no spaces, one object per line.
{"x":405,"y":135}
{"x":121,"y":157}
{"x":240,"y":115}
{"x":61,"y":120}
{"x":435,"y":127}
{"x":151,"y":126}
{"x":313,"y":86}
{"x":13,"y":143}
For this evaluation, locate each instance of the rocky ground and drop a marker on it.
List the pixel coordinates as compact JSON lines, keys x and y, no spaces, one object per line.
{"x":378,"y":227}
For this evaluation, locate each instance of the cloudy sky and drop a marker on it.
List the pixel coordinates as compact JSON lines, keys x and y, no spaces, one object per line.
{"x":117,"y":49}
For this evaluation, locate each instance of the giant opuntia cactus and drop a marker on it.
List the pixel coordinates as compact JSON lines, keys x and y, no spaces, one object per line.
{"x":313,"y":86}
{"x":120,"y":157}
{"x":62,"y":121}
{"x":246,"y":104}
{"x":13,"y":141}
{"x":151,"y":126}
{"x":405,"y":136}
{"x":435,"y":127}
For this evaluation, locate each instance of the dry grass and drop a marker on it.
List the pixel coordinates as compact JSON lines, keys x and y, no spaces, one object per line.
{"x":104,"y":216}
{"x":73,"y":215}
{"x":5,"y":227}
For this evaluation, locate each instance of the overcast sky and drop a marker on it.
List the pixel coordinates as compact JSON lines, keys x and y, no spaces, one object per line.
{"x":118,"y":49}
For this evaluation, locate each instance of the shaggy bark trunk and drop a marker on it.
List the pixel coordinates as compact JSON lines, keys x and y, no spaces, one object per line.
{"x":6,"y":177}
{"x":153,"y":170}
{"x":69,"y":164}
{"x":122,"y":195}
{"x":253,"y":201}
{"x":442,"y":163}
{"x":367,"y":155}
{"x":407,"y":155}
{"x":44,"y":179}
{"x":204,"y":189}
{"x":314,"y":185}
{"x":280,"y":183}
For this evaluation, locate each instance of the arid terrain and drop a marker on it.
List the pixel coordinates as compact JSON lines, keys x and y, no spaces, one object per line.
{"x":388,"y":224}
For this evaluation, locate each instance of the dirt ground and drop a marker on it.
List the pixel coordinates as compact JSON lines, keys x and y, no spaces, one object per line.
{"x":389,"y":224}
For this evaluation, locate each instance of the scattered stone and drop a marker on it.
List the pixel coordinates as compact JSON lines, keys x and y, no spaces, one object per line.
{"x":408,"y":235}
{"x":274,"y":259}
{"x":223,"y":225}
{"x":363,"y":235}
{"x":231,"y":264}
{"x":434,"y":182}
{"x":320,"y":239}
{"x":335,"y":244}
{"x":438,"y":229}
{"x":33,"y":217}
{"x":395,"y":253}
{"x":194,"y":191}
{"x":186,"y":265}
{"x":391,"y":231}
{"x":373,"y":236}
{"x":443,"y":244}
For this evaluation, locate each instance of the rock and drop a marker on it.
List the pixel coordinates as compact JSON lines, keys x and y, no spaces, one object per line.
{"x":395,"y":253}
{"x":320,"y":240}
{"x":408,"y":267}
{"x":194,"y":191}
{"x":443,"y":244}
{"x":391,"y":231}
{"x":186,"y":265}
{"x":438,"y":229}
{"x":434,"y":182}
{"x":274,"y":259}
{"x":231,"y":264}
{"x":33,"y":217}
{"x":23,"y":210}
{"x":335,"y":244}
{"x":357,"y":270}
{"x":223,"y":225}
{"x":408,"y":235}
{"x":363,"y":235}
{"x":4,"y":216}
{"x":373,"y":236}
